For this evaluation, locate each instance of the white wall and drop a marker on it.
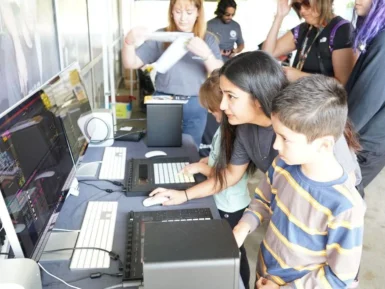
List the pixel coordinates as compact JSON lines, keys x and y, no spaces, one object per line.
{"x":254,"y":16}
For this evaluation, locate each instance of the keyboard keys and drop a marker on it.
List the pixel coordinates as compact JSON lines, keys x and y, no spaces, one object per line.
{"x":113,"y":164}
{"x":97,"y":231}
{"x":170,"y":173}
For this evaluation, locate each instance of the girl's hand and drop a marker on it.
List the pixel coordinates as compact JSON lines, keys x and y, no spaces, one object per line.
{"x":283,"y":8}
{"x":293,"y":74}
{"x":197,"y":46}
{"x":137,"y":35}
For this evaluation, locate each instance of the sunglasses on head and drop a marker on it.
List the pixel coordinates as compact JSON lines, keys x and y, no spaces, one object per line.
{"x":297,"y":5}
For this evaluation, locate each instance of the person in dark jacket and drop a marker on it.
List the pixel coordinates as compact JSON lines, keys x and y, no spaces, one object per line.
{"x":366,"y":88}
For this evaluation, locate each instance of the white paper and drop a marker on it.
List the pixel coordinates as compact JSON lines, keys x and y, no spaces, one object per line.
{"x":172,"y":55}
{"x":169,"y":36}
{"x":126,"y":128}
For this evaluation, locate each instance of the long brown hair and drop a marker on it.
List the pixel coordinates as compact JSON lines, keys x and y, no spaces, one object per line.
{"x":323,"y":7}
{"x":210,"y":95}
{"x":351,"y":137}
{"x":200,"y":26}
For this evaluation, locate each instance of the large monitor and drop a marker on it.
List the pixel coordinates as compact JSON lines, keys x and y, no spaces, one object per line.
{"x":67,"y":98}
{"x":39,"y":143}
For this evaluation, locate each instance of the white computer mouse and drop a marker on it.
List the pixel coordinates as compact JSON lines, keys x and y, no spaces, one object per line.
{"x":152,"y":154}
{"x":152,"y":201}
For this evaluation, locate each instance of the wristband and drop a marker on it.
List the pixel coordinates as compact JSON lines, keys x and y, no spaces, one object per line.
{"x":185,"y":192}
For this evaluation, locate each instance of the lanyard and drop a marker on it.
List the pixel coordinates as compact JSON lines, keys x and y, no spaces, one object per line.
{"x":303,"y":55}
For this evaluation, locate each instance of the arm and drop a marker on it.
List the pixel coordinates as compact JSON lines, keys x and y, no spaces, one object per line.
{"x":343,"y":253}
{"x":198,"y":168}
{"x":210,"y":56}
{"x":237,"y":50}
{"x":204,"y":160}
{"x":343,"y":63}
{"x":134,"y":36}
{"x":233,"y":174}
{"x":258,"y":210}
{"x":285,"y":44}
{"x":240,"y":42}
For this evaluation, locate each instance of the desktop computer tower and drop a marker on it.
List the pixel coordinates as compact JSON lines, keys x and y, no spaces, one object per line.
{"x":164,"y":125}
{"x":190,"y":255}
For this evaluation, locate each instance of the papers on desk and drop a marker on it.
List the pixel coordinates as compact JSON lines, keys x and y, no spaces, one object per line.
{"x":165,"y":99}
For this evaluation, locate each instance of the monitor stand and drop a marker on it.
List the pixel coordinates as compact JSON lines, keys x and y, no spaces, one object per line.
{"x":60,"y":240}
{"x":88,"y":170}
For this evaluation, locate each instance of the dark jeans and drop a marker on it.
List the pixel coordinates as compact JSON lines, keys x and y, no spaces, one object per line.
{"x":371,"y":164}
{"x":233,"y":219}
{"x":194,"y":118}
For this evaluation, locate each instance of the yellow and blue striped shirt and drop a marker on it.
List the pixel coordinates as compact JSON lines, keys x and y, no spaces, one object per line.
{"x":315,"y":232}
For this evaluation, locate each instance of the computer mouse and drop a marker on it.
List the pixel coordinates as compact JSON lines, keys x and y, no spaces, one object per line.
{"x":152,"y":201}
{"x":152,"y":154}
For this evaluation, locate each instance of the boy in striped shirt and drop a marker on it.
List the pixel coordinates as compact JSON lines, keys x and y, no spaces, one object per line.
{"x":316,"y":216}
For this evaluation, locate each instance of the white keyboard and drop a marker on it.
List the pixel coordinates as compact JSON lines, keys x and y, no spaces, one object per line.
{"x":97,"y":231}
{"x":113,"y":164}
{"x":169,"y":173}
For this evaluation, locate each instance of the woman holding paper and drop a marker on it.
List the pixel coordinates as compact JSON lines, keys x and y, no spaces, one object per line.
{"x":186,"y":75}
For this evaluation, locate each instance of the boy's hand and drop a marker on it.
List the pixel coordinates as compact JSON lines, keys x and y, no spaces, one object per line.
{"x":240,"y":232}
{"x":264,"y":283}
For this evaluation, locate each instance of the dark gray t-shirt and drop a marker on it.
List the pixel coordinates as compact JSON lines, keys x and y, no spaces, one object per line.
{"x":227,"y":33}
{"x":187,"y":75}
{"x":248,"y":147}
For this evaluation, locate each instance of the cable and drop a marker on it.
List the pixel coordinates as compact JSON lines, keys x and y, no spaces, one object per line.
{"x":89,"y":137}
{"x":57,"y":278}
{"x":116,"y":183}
{"x":5,"y":254}
{"x":112,"y":254}
{"x":115,"y":286}
{"x":118,"y":137}
{"x":92,"y":276}
{"x":99,"y":188}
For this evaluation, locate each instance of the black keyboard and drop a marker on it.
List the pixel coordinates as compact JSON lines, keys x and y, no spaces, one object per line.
{"x":133,"y":269}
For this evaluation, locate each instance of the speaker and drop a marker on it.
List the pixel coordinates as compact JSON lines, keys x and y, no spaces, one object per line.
{"x":97,"y":127}
{"x":164,"y":125}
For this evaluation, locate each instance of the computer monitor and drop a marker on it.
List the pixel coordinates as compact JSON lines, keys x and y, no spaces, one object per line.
{"x":35,"y":162}
{"x":67,"y":98}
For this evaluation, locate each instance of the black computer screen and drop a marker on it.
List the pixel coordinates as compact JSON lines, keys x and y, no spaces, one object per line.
{"x":66,"y":97}
{"x":35,"y":161}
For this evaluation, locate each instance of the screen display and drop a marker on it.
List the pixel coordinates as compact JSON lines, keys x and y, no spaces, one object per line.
{"x":66,"y":97}
{"x":40,"y":141}
{"x":35,"y":161}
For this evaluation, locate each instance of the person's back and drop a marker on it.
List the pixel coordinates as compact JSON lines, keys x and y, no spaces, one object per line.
{"x":232,"y":201}
{"x":366,"y":88}
{"x":316,"y":215}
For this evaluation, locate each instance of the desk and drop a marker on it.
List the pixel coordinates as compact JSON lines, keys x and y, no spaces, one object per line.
{"x":72,"y":213}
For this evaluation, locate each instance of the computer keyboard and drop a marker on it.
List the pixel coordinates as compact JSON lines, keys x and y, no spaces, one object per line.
{"x":169,"y":173}
{"x":97,"y":231}
{"x":113,"y":164}
{"x":133,"y":269}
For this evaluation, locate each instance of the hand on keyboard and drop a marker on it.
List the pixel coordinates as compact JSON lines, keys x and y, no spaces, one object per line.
{"x":176,"y":197}
{"x":197,"y":168}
